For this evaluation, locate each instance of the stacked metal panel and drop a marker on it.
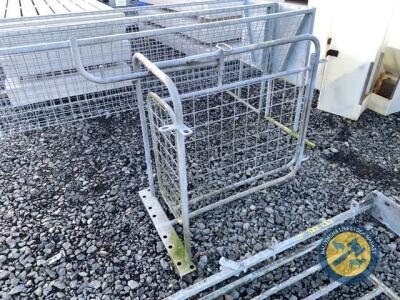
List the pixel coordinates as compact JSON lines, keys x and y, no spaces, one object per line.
{"x":40,"y":81}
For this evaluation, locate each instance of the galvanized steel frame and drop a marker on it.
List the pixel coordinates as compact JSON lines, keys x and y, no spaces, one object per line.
{"x":178,"y":126}
{"x":58,"y":47}
{"x":375,"y":203}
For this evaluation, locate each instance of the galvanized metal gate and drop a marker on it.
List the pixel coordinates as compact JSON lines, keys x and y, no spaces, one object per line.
{"x":217,"y":133}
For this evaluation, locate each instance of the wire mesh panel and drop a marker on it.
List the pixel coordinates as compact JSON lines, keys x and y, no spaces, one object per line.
{"x":237,"y":117}
{"x":41,"y":86}
{"x":221,"y":128}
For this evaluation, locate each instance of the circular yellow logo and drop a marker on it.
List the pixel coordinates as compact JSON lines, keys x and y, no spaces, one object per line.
{"x":348,"y":253}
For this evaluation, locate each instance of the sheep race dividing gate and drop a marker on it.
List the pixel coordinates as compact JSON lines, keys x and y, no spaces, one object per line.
{"x":216,"y":125}
{"x":217,"y":132}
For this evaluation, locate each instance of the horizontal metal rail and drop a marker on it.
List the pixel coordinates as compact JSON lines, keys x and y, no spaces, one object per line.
{"x":262,"y":256}
{"x":205,"y":57}
{"x":289,"y":282}
{"x":142,"y":34}
{"x":261,"y":272}
{"x":137,"y":19}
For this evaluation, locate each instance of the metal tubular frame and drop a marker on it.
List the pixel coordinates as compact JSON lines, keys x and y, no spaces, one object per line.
{"x":182,"y":131}
{"x":41,"y":86}
{"x":31,"y":34}
{"x":217,"y":59}
{"x":374,"y":203}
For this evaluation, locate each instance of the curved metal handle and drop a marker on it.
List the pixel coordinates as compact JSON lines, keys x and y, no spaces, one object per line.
{"x":77,"y":60}
{"x":165,"y":79}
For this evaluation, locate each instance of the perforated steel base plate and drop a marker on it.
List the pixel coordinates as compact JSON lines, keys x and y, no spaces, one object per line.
{"x":173,"y":244}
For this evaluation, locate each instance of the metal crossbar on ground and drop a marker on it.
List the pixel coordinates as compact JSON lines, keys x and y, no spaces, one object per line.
{"x":40,"y":85}
{"x":384,"y":209}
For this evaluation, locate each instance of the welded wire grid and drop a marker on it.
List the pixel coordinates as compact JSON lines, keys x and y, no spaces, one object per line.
{"x":236,"y":138}
{"x":117,"y":22}
{"x":42,"y":88}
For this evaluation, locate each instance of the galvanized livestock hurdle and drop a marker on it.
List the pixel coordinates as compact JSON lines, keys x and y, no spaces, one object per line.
{"x":42,"y":87}
{"x":240,"y":273}
{"x":215,"y":124}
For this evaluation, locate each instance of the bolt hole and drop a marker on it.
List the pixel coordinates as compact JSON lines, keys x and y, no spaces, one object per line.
{"x":144,"y":196}
{"x":192,"y":267}
{"x":178,"y":263}
{"x":154,"y":216}
{"x":148,"y":189}
{"x":387,"y":203}
{"x":150,"y":207}
{"x":164,"y":236}
{"x":170,"y":246}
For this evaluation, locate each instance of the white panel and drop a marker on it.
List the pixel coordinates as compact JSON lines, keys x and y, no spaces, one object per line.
{"x":57,"y":7}
{"x":43,"y":8}
{"x":28,"y":10}
{"x":13,"y":9}
{"x":70,"y":6}
{"x":3,"y":4}
{"x":357,"y":32}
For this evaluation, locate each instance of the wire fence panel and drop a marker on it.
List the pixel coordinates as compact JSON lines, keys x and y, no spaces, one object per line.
{"x":236,"y":114}
{"x":40,"y":85}
{"x":220,"y":129}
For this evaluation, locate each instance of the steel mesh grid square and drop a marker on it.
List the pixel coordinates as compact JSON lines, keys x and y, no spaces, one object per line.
{"x":231,"y":142}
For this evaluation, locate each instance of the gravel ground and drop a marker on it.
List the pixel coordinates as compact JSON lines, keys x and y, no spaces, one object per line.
{"x":72,"y":224}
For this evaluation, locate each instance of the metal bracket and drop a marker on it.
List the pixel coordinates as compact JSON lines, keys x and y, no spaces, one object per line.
{"x":387,"y":211}
{"x":183,"y":129}
{"x":231,"y":265}
{"x":172,"y":243}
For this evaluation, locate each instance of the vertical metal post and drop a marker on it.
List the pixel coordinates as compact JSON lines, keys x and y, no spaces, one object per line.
{"x":314,"y":60}
{"x":249,"y":31}
{"x":143,"y":125}
{"x":266,"y":64}
{"x":180,"y":143}
{"x":310,"y":21}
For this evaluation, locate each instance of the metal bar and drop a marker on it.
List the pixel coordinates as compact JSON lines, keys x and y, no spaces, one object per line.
{"x":176,"y":250}
{"x":288,"y":282}
{"x":304,"y":77}
{"x":145,"y":18}
{"x":324,"y":291}
{"x":307,"y":104}
{"x":261,"y":272}
{"x":372,"y":294}
{"x":388,"y":292}
{"x":277,"y":249}
{"x":387,"y":211}
{"x":122,"y":36}
{"x":180,"y":142}
{"x":145,"y":133}
{"x":186,"y":60}
{"x":285,"y":129}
